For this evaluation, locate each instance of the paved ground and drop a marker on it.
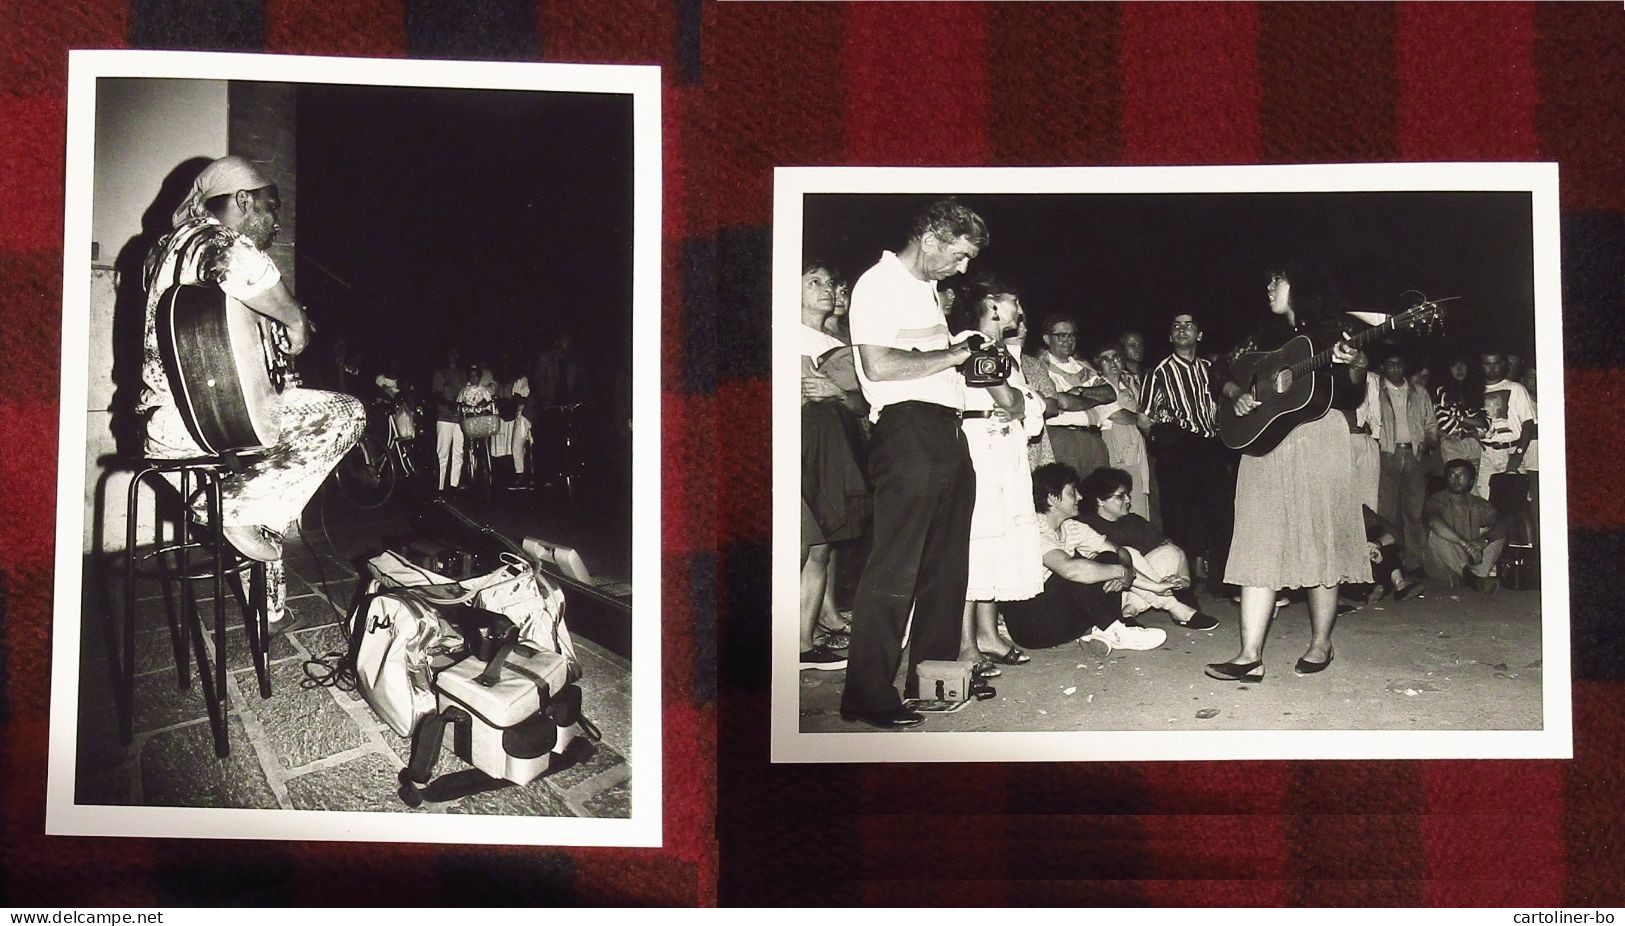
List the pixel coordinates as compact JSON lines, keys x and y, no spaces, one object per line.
{"x":1440,"y":661}
{"x":311,"y":747}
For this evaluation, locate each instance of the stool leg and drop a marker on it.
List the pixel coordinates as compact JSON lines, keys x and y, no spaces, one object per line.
{"x":258,"y":627}
{"x":222,"y":742}
{"x":127,"y":638}
{"x":189,"y":615}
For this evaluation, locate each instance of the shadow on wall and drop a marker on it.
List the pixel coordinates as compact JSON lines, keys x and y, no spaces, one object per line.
{"x":128,"y":337}
{"x":130,"y":310}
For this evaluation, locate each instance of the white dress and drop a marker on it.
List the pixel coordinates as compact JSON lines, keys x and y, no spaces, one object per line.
{"x":1006,"y":563}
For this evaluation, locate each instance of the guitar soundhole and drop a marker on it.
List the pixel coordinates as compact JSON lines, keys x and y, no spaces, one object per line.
{"x":1283,"y":382}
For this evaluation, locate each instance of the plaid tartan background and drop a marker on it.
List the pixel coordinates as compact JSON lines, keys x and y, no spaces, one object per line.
{"x":748,"y":86}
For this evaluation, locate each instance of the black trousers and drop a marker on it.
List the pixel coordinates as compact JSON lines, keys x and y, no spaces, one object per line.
{"x":1063,"y":612}
{"x":1198,"y":483}
{"x":925,"y":491}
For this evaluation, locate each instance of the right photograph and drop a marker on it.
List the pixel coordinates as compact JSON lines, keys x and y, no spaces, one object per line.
{"x":1166,"y":463}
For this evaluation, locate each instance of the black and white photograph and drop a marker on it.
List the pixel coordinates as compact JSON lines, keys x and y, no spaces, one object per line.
{"x":1168,"y":463}
{"x":360,"y":395}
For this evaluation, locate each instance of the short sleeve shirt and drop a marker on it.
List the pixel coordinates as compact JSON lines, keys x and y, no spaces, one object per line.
{"x":1074,"y":538}
{"x":893,"y":308}
{"x":1507,"y":406}
{"x":197,"y":252}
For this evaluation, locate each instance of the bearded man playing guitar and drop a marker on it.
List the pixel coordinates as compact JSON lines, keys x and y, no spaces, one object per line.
{"x":217,"y":255}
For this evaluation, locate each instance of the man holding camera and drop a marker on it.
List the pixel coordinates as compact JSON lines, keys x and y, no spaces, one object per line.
{"x":924,"y":486}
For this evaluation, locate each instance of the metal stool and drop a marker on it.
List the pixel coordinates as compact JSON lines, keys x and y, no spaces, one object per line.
{"x":220,"y":561}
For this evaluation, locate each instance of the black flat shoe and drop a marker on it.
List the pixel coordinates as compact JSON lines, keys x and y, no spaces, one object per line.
{"x":1305,"y":667}
{"x":1236,"y":671}
{"x":1199,"y":621}
{"x":895,"y":719}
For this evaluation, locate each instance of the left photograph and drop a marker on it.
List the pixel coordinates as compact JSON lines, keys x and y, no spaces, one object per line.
{"x":350,"y":443}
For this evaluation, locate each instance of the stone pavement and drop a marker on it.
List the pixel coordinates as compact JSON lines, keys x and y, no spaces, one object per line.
{"x":308,"y":747}
{"x":1440,"y":661}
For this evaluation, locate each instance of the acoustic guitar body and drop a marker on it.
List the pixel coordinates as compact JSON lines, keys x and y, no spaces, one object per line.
{"x":223,"y":368}
{"x":1285,"y":401}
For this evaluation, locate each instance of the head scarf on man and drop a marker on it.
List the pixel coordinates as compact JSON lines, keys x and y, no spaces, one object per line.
{"x":225,"y":175}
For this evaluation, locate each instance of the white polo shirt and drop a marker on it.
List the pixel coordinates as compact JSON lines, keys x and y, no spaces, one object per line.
{"x":893,"y":308}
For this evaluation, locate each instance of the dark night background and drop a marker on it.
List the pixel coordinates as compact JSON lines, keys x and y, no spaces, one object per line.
{"x":1120,"y":261}
{"x":490,"y":219}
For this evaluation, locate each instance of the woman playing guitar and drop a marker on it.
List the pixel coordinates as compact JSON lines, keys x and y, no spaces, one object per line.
{"x":1298,"y":521}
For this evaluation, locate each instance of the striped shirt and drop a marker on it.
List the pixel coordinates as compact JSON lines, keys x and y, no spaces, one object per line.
{"x":1180,"y":392}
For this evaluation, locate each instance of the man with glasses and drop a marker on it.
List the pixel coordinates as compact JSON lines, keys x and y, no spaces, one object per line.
{"x":919,"y":464}
{"x":1080,"y":394}
{"x":1193,"y":468}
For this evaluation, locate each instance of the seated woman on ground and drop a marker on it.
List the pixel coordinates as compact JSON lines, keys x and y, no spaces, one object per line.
{"x":1162,"y":574}
{"x":1387,"y":568}
{"x":1082,"y":598}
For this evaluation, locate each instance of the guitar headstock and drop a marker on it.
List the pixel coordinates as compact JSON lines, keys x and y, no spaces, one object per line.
{"x":1424,"y":316}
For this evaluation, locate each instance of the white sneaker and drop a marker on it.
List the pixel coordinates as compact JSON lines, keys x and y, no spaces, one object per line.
{"x":1122,"y":636}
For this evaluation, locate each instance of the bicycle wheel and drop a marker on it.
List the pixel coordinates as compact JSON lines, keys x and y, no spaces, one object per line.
{"x":365,"y":476}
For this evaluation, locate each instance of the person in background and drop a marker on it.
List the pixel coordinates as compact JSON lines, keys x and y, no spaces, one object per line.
{"x":1124,"y":429}
{"x":836,"y":324}
{"x":1511,"y":426}
{"x":1074,"y":431}
{"x":510,"y":446}
{"x":1132,"y":344}
{"x":1193,"y":467}
{"x":476,"y":400}
{"x":834,"y":493}
{"x":1409,"y":434}
{"x":447,"y":383}
{"x":1458,"y":407}
{"x":1465,"y":532}
{"x":1365,"y":433}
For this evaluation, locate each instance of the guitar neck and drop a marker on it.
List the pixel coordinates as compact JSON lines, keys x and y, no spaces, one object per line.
{"x":1323,"y":359}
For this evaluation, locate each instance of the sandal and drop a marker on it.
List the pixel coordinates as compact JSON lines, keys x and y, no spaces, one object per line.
{"x":845,"y":628}
{"x":832,"y":639}
{"x":1012,"y":657}
{"x":986,"y":669}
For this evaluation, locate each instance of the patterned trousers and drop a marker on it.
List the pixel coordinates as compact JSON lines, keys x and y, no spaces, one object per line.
{"x":318,"y":429}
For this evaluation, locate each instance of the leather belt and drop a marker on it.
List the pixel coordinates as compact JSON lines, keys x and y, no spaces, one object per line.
{"x":1076,"y":427}
{"x":976,"y":414}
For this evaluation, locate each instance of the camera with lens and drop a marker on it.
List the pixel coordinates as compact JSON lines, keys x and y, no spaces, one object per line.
{"x":988,"y":365}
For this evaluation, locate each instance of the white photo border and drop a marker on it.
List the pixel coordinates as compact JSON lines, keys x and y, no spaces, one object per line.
{"x":1554,"y":740}
{"x":644,"y":827}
